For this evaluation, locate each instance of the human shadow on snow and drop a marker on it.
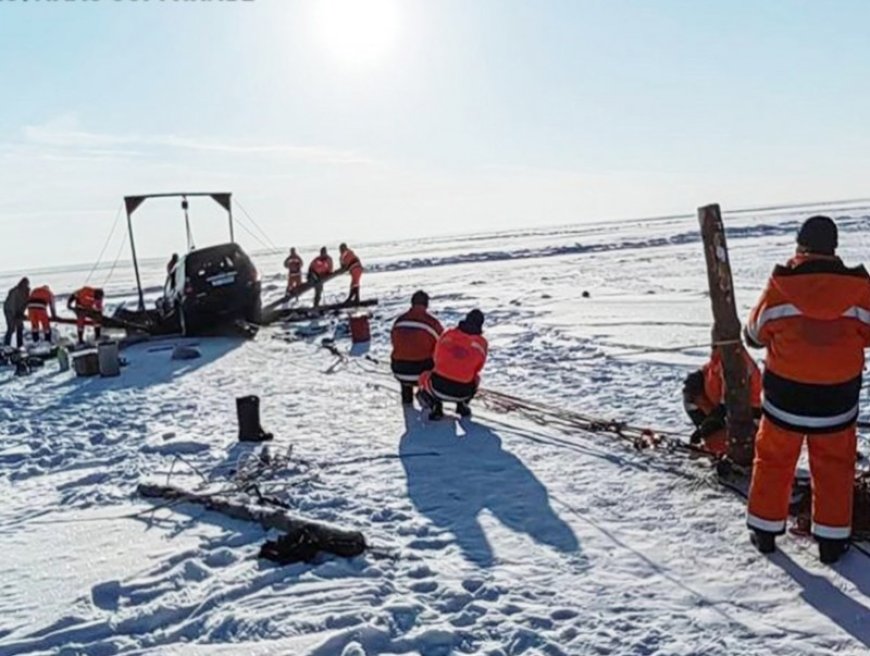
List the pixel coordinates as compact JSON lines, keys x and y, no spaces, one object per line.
{"x":472,"y":473}
{"x":828,"y":599}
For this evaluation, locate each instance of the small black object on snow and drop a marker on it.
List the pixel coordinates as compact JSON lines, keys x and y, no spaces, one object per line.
{"x":248,"y":411}
{"x":585,"y":294}
{"x":182,"y":352}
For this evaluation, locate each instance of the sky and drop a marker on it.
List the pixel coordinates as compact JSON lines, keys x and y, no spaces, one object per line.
{"x":363,"y":120}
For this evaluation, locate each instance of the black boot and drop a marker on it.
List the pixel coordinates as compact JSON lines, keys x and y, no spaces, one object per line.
{"x":34,"y":336}
{"x":463,"y":410}
{"x":764,"y":541}
{"x":407,"y":394}
{"x":831,"y":550}
{"x":437,"y":411}
{"x":248,"y":411}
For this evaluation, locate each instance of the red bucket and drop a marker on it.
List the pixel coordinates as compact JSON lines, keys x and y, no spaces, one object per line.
{"x":359,"y":328}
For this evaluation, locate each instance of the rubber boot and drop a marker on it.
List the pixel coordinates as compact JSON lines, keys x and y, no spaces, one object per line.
{"x":463,"y":410}
{"x":407,"y":394}
{"x":831,"y":550}
{"x":437,"y":411}
{"x":764,"y":541}
{"x":34,"y":336}
{"x":248,"y":411}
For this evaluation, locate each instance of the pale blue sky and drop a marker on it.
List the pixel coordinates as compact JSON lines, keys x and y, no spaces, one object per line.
{"x":481,"y":114}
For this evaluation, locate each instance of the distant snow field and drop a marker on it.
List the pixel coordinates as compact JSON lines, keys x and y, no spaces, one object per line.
{"x":495,"y":536}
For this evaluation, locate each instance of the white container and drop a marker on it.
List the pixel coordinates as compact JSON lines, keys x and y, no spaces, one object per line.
{"x":63,"y":358}
{"x":110,"y":364}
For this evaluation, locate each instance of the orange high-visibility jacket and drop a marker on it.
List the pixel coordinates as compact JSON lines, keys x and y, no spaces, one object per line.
{"x":293,"y":264}
{"x":459,"y":356}
{"x":415,"y":335}
{"x":321,"y":265}
{"x":349,"y":261}
{"x":41,"y":298}
{"x":714,"y":379}
{"x":85,"y":298}
{"x":814,"y":319}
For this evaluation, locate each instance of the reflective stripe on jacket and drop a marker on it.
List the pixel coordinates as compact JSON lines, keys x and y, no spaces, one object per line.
{"x":814,"y":319}
{"x":414,"y":336}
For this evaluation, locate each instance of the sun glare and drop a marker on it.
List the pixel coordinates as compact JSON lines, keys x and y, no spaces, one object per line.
{"x":357,"y":31}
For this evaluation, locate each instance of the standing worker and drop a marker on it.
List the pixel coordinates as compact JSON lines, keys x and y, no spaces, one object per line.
{"x":414,"y":336}
{"x":459,"y":358}
{"x":320,"y":267}
{"x":704,"y":401}
{"x":173,"y":262}
{"x":814,"y":319}
{"x":39,"y":305}
{"x":87,"y":303}
{"x":293,"y":264}
{"x":350,"y":262}
{"x":14,"y":308}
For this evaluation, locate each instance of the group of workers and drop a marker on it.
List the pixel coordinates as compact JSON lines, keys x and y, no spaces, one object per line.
{"x":444,"y":365}
{"x":814,"y":320}
{"x":320,"y":269}
{"x":37,"y":306}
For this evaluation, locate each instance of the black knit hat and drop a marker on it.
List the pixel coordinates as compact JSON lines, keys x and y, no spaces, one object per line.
{"x":420,"y":298}
{"x":475,"y":318}
{"x":818,"y":234}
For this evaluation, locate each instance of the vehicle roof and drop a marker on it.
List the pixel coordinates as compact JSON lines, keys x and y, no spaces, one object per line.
{"x":219,"y":249}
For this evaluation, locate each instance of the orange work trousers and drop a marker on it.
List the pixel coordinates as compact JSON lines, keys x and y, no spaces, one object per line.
{"x":294,"y":280}
{"x":832,"y":469}
{"x":355,"y":275}
{"x":39,"y":320}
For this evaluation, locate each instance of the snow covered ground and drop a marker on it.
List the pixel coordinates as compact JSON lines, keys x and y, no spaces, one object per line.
{"x":494,"y":536}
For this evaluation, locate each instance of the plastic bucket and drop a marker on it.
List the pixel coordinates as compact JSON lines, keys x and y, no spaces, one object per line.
{"x":359,"y":328}
{"x":110,"y":364}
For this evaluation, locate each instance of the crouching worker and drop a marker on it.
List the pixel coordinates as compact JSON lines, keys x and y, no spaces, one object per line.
{"x":459,"y":357}
{"x":414,"y":336}
{"x":87,"y":303}
{"x":704,"y":400}
{"x":39,"y":305}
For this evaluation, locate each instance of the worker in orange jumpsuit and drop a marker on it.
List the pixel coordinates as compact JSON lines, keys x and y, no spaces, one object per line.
{"x":414,"y":336}
{"x":350,"y":262}
{"x":40,"y":310}
{"x":293,"y":264}
{"x":704,"y":401}
{"x":460,"y":355}
{"x":814,"y":319}
{"x":320,"y":268}
{"x":84,"y":303}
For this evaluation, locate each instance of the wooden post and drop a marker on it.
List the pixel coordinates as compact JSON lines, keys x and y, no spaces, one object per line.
{"x":726,"y":331}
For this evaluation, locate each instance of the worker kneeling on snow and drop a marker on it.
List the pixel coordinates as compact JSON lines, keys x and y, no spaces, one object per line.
{"x":704,"y":400}
{"x":814,"y":319}
{"x":414,"y":336}
{"x":459,"y":357}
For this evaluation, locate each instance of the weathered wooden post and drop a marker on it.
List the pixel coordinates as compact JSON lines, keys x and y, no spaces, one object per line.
{"x":726,"y":333}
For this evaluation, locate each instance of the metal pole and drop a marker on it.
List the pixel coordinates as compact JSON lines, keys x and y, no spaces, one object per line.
{"x":135,"y":262}
{"x":232,"y":236}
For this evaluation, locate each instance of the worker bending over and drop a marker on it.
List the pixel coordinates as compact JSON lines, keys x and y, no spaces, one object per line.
{"x":350,"y":262}
{"x":320,"y":267}
{"x":814,"y":319}
{"x":704,"y":401}
{"x":87,"y":303}
{"x":40,"y":310}
{"x":293,"y":264}
{"x":414,"y":336}
{"x":460,"y":355}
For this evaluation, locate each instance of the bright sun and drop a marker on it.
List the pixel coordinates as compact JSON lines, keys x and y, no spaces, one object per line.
{"x":357,"y":31}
